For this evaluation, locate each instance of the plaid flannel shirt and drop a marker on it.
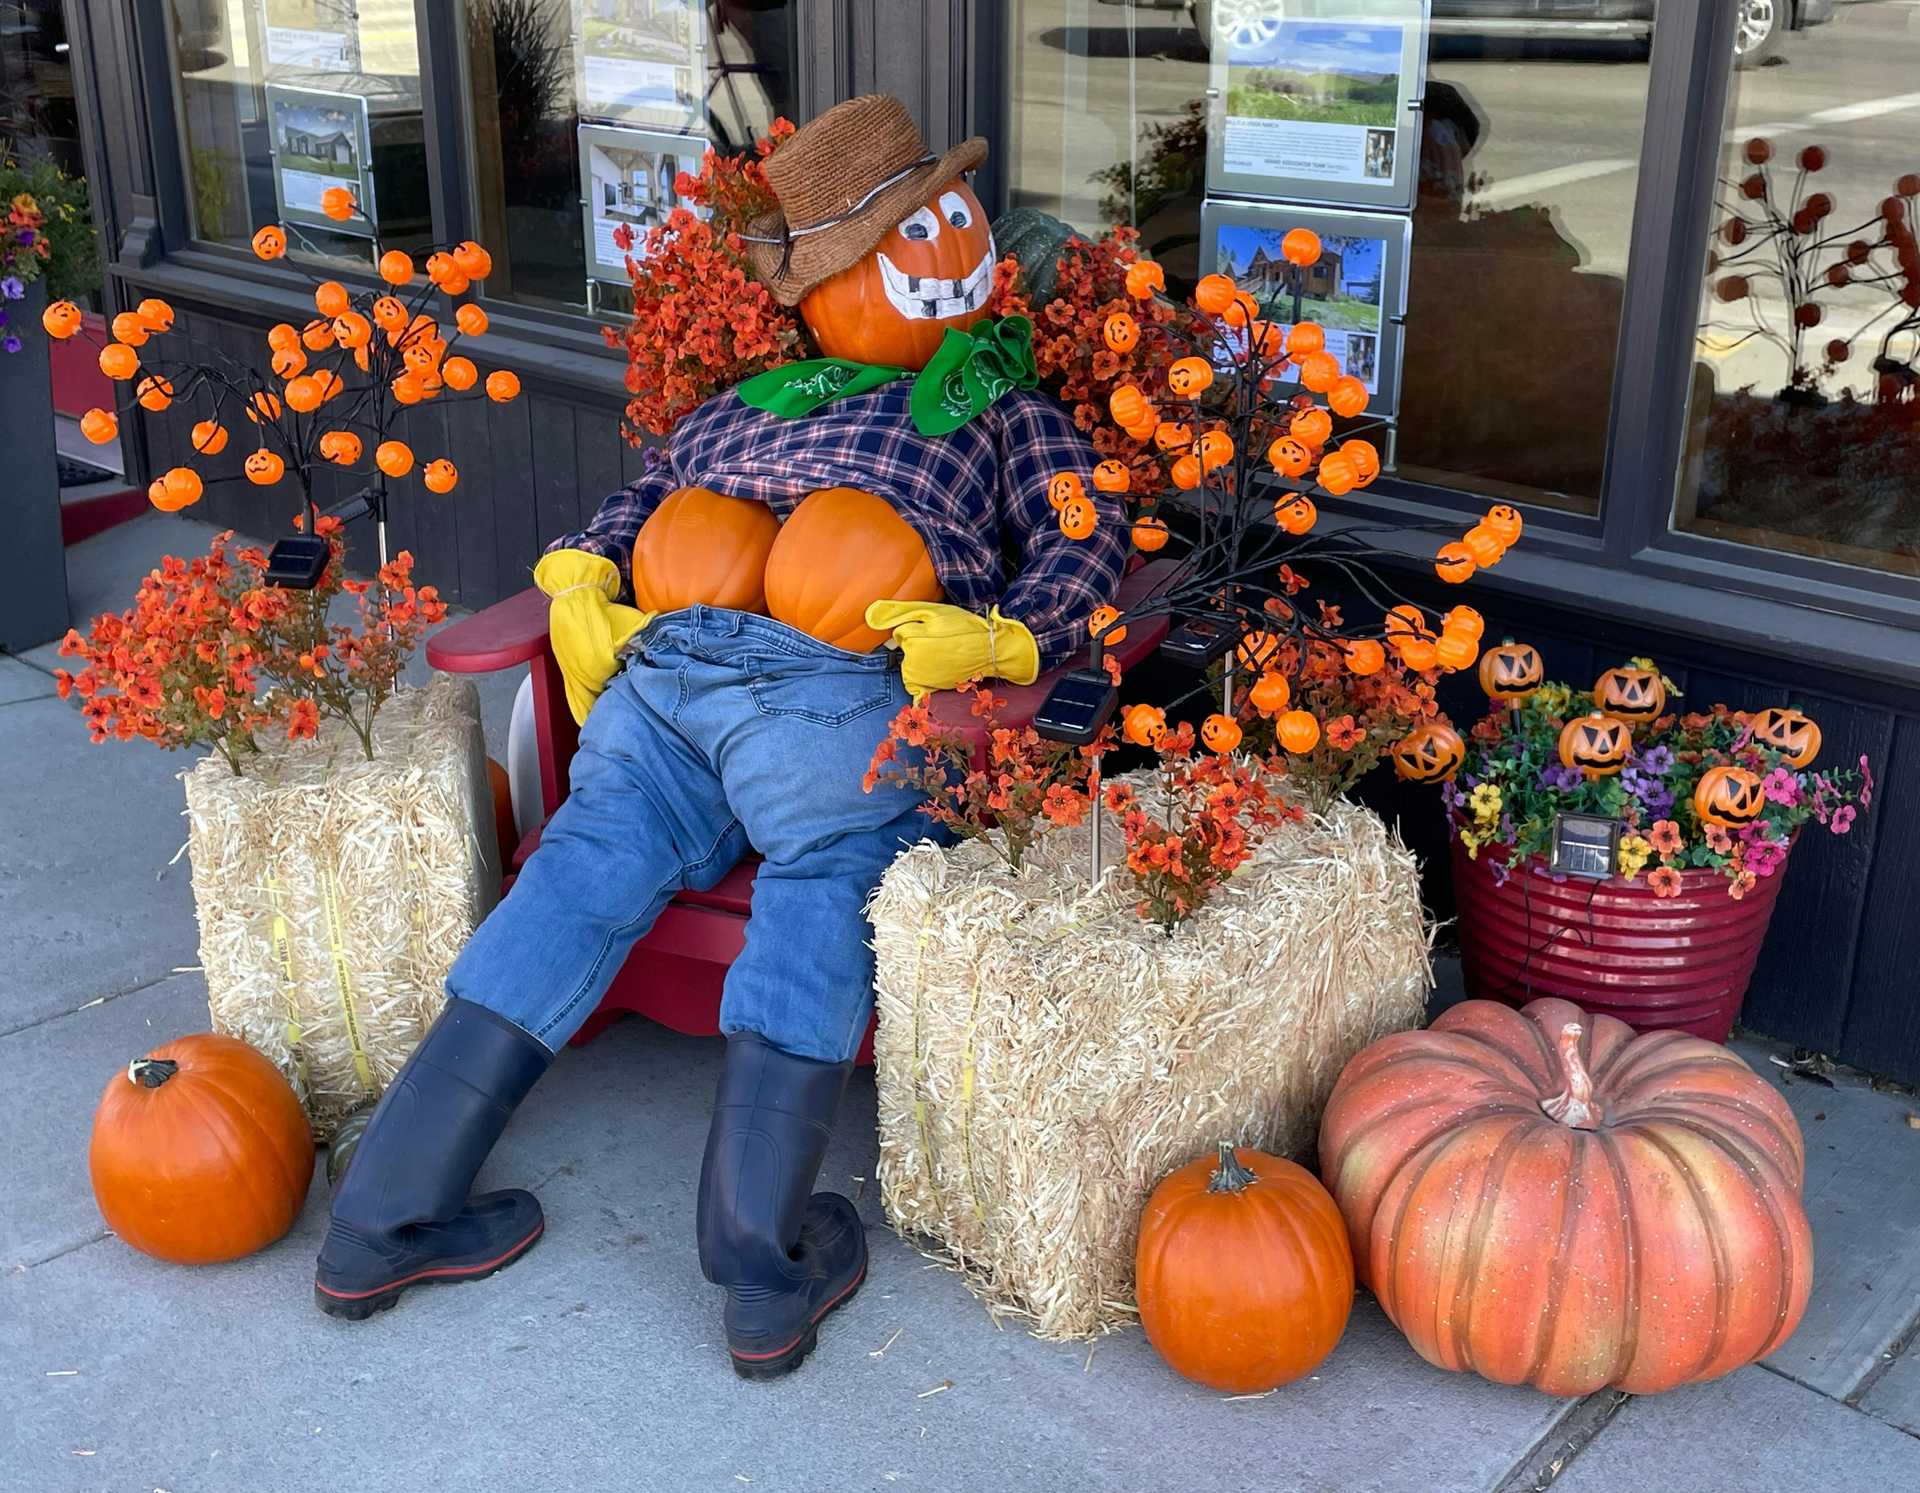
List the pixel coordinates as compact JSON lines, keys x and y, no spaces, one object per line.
{"x":974,"y":496}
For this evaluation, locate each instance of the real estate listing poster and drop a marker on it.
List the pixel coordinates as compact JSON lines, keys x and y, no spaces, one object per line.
{"x":1317,"y":101}
{"x":1354,"y":292}
{"x":627,"y":181}
{"x":319,"y":36}
{"x":641,"y":62}
{"x":320,"y":140}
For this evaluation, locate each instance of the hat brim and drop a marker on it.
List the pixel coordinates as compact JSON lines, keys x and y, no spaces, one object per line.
{"x":820,"y":256}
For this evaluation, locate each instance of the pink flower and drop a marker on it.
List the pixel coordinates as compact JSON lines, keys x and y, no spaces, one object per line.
{"x":1665,"y":837}
{"x":1741,"y":885}
{"x":1718,"y":841}
{"x":1866,"y":783}
{"x":1842,"y":819}
{"x":1781,"y":787}
{"x":1665,"y":881}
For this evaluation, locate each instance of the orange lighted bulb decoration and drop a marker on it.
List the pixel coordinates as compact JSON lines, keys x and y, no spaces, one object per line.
{"x":1430,"y":753}
{"x":337,"y":203}
{"x":1597,"y":744}
{"x":1728,"y":797}
{"x":1112,"y":476}
{"x":440,"y":475}
{"x":1150,"y":534}
{"x":1788,"y":732}
{"x":61,"y":320}
{"x":1511,"y":672}
{"x":1063,"y":488}
{"x":1636,"y":694}
{"x":1220,"y":733}
{"x":99,"y":426}
{"x":128,"y":328}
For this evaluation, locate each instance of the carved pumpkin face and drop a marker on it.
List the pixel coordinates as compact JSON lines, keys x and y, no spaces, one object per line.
{"x":931,"y":272}
{"x":1790,"y":733}
{"x":1597,"y":744}
{"x":1220,"y":733}
{"x":1728,"y":796}
{"x":1429,"y":753}
{"x":1511,"y":672}
{"x":1632,"y":693}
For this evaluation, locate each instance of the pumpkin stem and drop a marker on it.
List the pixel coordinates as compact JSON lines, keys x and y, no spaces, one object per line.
{"x":1229,"y":1175}
{"x":151,"y":1072}
{"x":1575,"y":1107}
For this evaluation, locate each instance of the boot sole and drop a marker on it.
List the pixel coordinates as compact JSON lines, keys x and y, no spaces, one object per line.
{"x":357,"y":1306}
{"x":783,"y":1361}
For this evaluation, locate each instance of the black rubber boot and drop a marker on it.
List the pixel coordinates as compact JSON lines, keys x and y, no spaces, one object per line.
{"x":401,"y":1216}
{"x":786,"y":1258}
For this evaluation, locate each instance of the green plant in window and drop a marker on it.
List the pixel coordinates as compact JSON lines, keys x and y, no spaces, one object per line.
{"x":209,"y":191}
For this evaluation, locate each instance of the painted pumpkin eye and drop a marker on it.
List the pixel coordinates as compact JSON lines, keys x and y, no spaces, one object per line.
{"x":954,"y":209}
{"x":921,"y":224}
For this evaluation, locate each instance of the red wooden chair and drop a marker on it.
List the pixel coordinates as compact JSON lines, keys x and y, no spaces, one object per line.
{"x":674,"y":974}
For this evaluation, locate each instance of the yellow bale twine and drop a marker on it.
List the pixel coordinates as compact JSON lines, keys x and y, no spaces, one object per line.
{"x":1044,"y":1057}
{"x":333,"y":892}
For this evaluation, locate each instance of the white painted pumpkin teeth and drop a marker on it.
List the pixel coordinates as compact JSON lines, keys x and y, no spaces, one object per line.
{"x":908,"y":294}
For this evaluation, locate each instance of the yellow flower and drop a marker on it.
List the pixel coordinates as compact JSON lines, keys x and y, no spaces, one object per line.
{"x":1473,"y":843}
{"x":1635,"y":852}
{"x":1486,"y":804}
{"x":1553,"y":699}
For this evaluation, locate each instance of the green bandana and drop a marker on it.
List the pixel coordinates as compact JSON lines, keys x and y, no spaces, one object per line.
{"x":968,"y":372}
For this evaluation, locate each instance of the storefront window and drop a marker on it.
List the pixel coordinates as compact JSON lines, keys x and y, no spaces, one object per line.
{"x":281,"y":99}
{"x":584,"y":114}
{"x":1804,"y":421}
{"x":1524,"y":141}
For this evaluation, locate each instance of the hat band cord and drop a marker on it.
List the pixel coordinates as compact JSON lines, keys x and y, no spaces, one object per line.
{"x":788,"y":233}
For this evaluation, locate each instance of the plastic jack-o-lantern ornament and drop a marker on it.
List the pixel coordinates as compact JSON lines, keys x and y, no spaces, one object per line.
{"x":341,"y":446}
{"x":61,"y":320}
{"x":1220,"y":733}
{"x":1430,"y":753}
{"x":1511,"y":672}
{"x":1144,"y":725}
{"x":270,"y":242}
{"x":440,"y":475}
{"x":1728,"y":796}
{"x":930,"y":272}
{"x":1189,"y":378}
{"x":1150,"y":534}
{"x":1789,"y":732}
{"x":264,"y":467}
{"x":1633,"y":693}
{"x":1597,"y":744}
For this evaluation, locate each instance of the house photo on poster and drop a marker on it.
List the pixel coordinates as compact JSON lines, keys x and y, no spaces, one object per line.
{"x":1354,"y":291}
{"x":642,"y":62}
{"x":320,"y":140}
{"x":628,"y":178}
{"x":1317,"y":104}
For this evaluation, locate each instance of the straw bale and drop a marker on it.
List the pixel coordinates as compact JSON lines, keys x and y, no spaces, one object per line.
{"x":1044,"y":1057}
{"x":333,"y":892}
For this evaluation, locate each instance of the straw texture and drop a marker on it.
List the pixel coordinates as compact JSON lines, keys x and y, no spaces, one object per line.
{"x":1044,"y":1057}
{"x":333,"y":892}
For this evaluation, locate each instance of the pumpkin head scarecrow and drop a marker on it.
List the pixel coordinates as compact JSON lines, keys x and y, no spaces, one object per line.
{"x":737,"y":629}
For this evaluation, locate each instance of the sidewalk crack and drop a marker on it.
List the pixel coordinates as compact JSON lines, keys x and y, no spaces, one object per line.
{"x":98,"y":1000}
{"x":21,"y":1267}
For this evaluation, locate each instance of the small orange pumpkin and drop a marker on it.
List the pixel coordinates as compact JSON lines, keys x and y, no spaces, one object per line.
{"x":352,"y":330}
{"x":1347,"y":396}
{"x":1173,"y":435}
{"x":440,"y":475}
{"x":473,"y":261}
{"x":1465,"y":621}
{"x":395,"y":458}
{"x":502,"y":385}
{"x":471,"y":320}
{"x":1364,"y":656}
{"x":1220,"y":733}
{"x":1511,"y":672}
{"x":209,"y":437}
{"x":1289,"y":457}
{"x":1078,"y":519}
{"x":341,"y":446}
{"x":1213,"y":294}
{"x":1728,"y":796}
{"x":1128,"y":405}
{"x":60,"y":320}
{"x":1244,"y":1271}
{"x":1789,"y":732}
{"x":118,"y":361}
{"x":1337,"y":475}
{"x":1318,"y":371}
{"x":1430,"y":753}
{"x":282,"y":335}
{"x":1150,"y":534}
{"x":841,"y":550}
{"x":155,"y":314}
{"x":1216,"y":449}
{"x":337,"y":203}
{"x":1597,"y":744}
{"x":288,"y":362}
{"x":1112,"y":476}
{"x":887,"y":307}
{"x":1504,"y":523}
{"x":183,"y":485}
{"x":330,"y":299}
{"x":200,"y":1152}
{"x":1305,"y":337}
{"x":1311,"y":427}
{"x":1365,"y":458}
{"x":1270,"y":693}
{"x":459,"y":373}
{"x":303,"y":395}
{"x":1189,"y":378}
{"x":153,"y":392}
{"x":99,"y":426}
{"x":128,"y":328}
{"x":1455,"y":652}
{"x":317,"y":335}
{"x":1453,"y":563}
{"x":1186,"y":473}
{"x":396,"y":268}
{"x":1298,"y":731}
{"x":1144,"y":725}
{"x":1484,"y":545}
{"x":1417,"y":653}
{"x":1631,"y":692}
{"x":1144,"y":277}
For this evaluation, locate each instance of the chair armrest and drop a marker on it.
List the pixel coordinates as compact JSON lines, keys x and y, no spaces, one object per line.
{"x":951,"y":709}
{"x":509,"y":632}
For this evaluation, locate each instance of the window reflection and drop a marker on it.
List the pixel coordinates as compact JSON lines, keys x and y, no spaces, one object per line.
{"x":1804,"y":420}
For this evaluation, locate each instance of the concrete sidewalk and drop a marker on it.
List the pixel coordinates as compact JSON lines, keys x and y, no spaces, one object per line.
{"x":597,"y":1362}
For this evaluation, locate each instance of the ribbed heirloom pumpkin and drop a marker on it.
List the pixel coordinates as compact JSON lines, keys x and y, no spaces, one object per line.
{"x":200,"y":1152}
{"x":701,"y":549}
{"x":1543,"y":1198}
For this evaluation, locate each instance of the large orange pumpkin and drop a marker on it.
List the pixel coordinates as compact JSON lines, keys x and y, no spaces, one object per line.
{"x":839,"y":552}
{"x":200,"y":1152}
{"x":1544,"y":1198}
{"x":1244,"y":1275}
{"x":699,"y":548}
{"x":930,"y":273}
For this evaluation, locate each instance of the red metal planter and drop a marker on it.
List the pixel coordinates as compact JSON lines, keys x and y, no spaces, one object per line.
{"x":1678,"y":962}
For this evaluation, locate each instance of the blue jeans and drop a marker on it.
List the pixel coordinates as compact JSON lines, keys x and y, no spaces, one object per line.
{"x":726,"y":730}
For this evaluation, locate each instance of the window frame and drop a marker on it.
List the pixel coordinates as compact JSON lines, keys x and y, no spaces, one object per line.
{"x":1626,"y":557}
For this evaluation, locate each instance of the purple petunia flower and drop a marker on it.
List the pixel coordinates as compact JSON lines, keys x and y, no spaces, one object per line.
{"x":1558,"y":776}
{"x":12,"y":343}
{"x":1499,"y":871}
{"x":11,"y":288}
{"x":1655,"y":761}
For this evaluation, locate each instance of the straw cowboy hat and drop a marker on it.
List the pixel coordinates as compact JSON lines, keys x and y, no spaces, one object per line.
{"x":845,"y":180}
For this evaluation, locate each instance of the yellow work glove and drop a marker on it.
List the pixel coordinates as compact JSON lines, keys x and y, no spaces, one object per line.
{"x":587,"y":627}
{"x":942,"y":645}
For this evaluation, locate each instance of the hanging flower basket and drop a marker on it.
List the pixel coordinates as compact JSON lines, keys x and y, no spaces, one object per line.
{"x":1681,"y":962}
